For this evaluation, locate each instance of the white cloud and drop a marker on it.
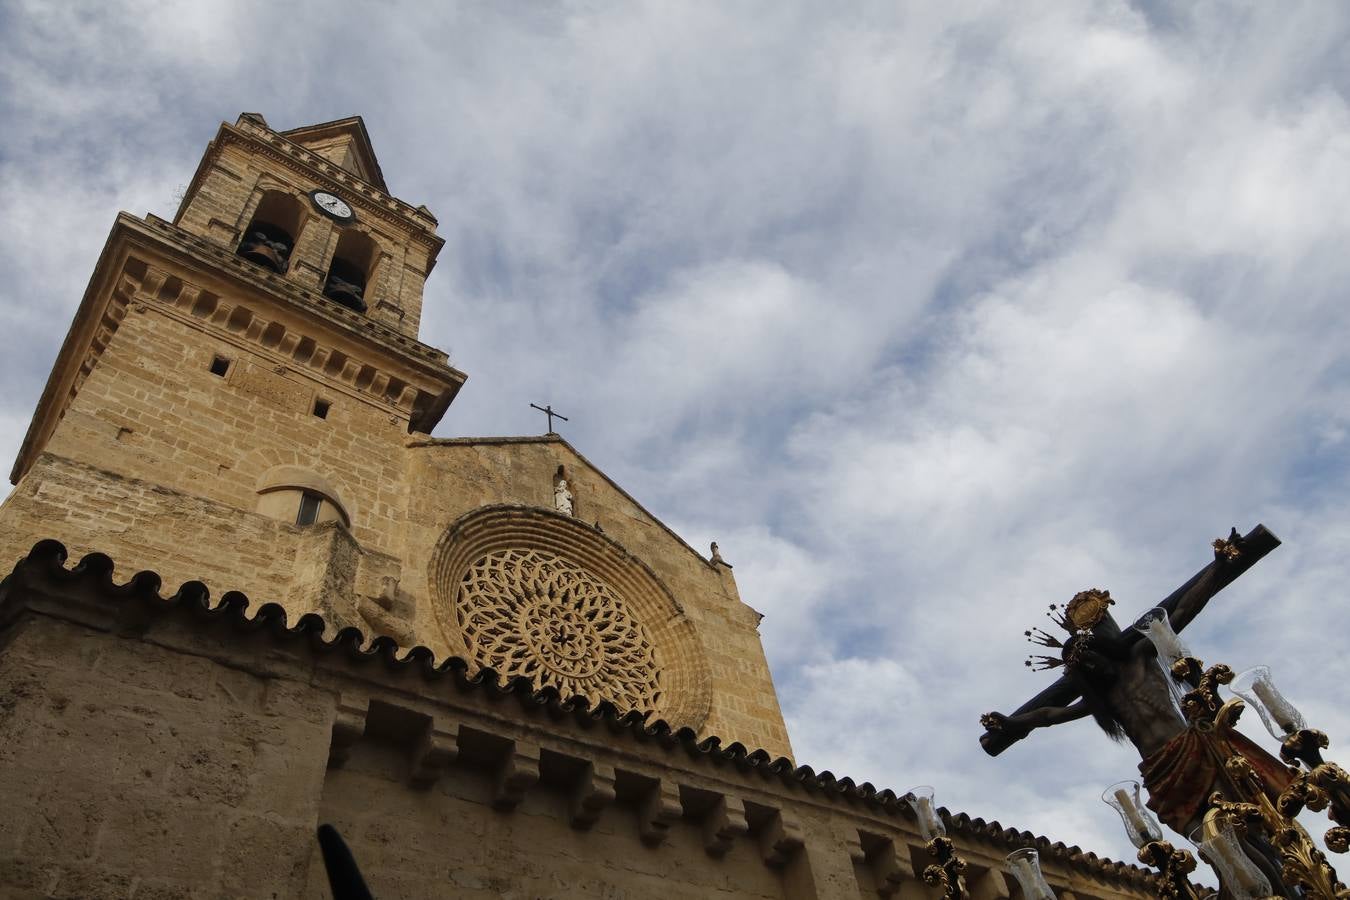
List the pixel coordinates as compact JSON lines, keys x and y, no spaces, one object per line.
{"x":930,"y":315}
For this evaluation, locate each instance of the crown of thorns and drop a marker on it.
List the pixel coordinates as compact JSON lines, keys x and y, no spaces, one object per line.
{"x":1078,"y":618}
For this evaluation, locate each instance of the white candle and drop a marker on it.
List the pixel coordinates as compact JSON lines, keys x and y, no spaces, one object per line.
{"x":1137,"y":823}
{"x":928,"y":819}
{"x":1284,"y":714}
{"x":1238,"y":863}
{"x":1029,"y":879}
{"x":1169,"y":646}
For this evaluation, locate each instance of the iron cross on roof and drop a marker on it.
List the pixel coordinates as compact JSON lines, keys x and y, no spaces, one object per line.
{"x":548,"y":411}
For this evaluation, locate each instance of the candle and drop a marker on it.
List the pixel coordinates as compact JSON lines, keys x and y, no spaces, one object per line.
{"x":1132,"y":815}
{"x":1227,"y":847}
{"x":1029,"y":878}
{"x":1280,"y":709}
{"x":1169,"y":646}
{"x":928,"y":819}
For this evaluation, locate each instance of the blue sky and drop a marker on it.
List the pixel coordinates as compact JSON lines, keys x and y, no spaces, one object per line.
{"x":930,"y":314}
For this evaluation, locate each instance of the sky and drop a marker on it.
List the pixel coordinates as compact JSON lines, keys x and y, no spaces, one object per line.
{"x":930,"y":314}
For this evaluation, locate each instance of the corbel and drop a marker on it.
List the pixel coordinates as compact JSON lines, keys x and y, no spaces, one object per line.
{"x":890,"y":863}
{"x":594,"y":792}
{"x":379,"y":384}
{"x":659,"y":810}
{"x":289,"y":341}
{"x":154,"y":279}
{"x":349,"y":724}
{"x":724,"y":823}
{"x":187,"y":297}
{"x":519,"y":773}
{"x":435,"y":749}
{"x":991,"y":884}
{"x":350,"y":369}
{"x":853,"y":844}
{"x":780,"y":840}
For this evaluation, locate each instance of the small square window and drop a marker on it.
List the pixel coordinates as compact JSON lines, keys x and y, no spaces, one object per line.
{"x":219,"y":366}
{"x":309,"y":509}
{"x":321,"y":408}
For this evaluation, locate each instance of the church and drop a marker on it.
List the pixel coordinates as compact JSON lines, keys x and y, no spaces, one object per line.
{"x":248,"y":593}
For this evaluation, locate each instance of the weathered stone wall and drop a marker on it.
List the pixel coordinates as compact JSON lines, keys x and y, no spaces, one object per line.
{"x":147,"y":527}
{"x":132,"y":770}
{"x":155,"y":750}
{"x":152,"y":528}
{"x":152,"y":409}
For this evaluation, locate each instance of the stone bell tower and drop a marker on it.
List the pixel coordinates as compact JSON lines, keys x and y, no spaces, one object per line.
{"x":253,"y":362}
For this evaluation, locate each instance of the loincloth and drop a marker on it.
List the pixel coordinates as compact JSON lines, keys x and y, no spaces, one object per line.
{"x":1183,"y":773}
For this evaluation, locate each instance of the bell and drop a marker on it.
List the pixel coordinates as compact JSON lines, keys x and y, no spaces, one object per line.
{"x":344,"y":292}
{"x":257,"y":248}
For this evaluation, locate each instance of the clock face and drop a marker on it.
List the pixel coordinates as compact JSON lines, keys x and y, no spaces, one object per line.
{"x":332,"y":204}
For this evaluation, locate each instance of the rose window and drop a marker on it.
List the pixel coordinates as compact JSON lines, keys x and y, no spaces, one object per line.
{"x":531,"y":613}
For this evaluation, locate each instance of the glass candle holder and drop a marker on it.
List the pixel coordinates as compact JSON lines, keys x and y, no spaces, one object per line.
{"x":1280,"y":717}
{"x":1222,"y":850}
{"x":930,"y":823}
{"x":1157,"y":627}
{"x":1025,"y":866}
{"x":1140,"y":825}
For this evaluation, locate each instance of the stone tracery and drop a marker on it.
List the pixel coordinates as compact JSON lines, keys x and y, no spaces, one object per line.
{"x":599,"y":597}
{"x":533,"y":613}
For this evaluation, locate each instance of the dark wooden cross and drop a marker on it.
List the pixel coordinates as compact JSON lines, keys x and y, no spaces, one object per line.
{"x":1182,"y":606}
{"x":548,"y":411}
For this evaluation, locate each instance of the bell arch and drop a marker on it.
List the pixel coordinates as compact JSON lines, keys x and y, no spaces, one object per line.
{"x":271,"y":234}
{"x":351,"y":268}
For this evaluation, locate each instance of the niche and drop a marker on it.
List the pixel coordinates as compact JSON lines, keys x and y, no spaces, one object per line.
{"x":350,"y":270}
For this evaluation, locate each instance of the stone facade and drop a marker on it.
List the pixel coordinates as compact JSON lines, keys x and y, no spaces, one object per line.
{"x":255,"y":423}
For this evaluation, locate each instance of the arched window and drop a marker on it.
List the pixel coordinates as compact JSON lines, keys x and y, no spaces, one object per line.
{"x":350,"y":270}
{"x":299,"y":496}
{"x":270,"y":236}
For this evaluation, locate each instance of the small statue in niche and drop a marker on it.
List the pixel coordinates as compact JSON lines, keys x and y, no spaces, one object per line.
{"x":562,"y":493}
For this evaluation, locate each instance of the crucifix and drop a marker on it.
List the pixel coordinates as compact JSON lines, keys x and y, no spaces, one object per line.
{"x":1113,"y":676}
{"x":548,"y":411}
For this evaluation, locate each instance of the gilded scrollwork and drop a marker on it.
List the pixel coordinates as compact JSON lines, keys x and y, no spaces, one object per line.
{"x":1175,"y":867}
{"x":948,"y":872}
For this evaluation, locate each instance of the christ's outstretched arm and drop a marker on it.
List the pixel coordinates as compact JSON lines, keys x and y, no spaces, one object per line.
{"x":1188,"y":600}
{"x":1019,"y":725}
